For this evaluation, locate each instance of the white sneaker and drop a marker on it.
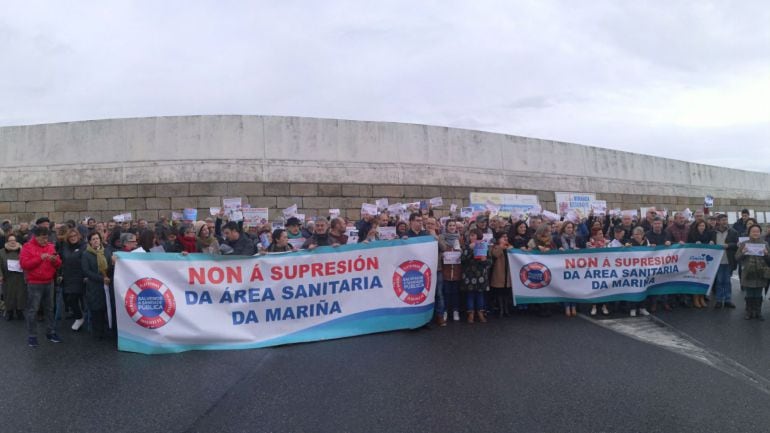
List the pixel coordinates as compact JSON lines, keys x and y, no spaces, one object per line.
{"x":78,"y":323}
{"x":605,"y":311}
{"x":445,"y":315}
{"x":633,"y":312}
{"x":456,"y":316}
{"x":593,"y":310}
{"x":644,"y":312}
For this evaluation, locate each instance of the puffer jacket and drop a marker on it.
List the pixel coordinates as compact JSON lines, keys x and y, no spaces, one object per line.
{"x":37,"y":270}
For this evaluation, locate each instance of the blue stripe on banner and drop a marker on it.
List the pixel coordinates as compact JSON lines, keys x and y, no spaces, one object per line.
{"x":617,"y":249}
{"x":668,"y":288}
{"x":319,"y":250}
{"x":365,"y":322}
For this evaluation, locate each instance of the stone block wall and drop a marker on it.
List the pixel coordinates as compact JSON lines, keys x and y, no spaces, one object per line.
{"x":150,"y":201}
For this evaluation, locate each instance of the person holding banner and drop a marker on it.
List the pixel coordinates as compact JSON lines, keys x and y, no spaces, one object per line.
{"x":451,"y":246}
{"x":728,"y":239}
{"x":518,"y":235}
{"x":238,"y":244}
{"x":542,"y":241}
{"x":753,"y":255}
{"x":402,"y":230}
{"x":337,"y":231}
{"x":569,"y":240}
{"x":475,"y":261}
{"x":95,"y":263}
{"x":188,"y":240}
{"x":500,"y":278}
{"x":598,"y":241}
{"x":320,"y":236}
{"x":280,"y":242}
{"x":699,"y":234}
{"x":638,"y":240}
{"x":205,"y":241}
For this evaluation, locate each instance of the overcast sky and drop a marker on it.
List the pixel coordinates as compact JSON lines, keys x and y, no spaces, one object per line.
{"x":682,"y":79}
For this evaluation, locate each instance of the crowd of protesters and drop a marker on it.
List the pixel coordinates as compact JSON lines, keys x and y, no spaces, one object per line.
{"x":63,"y":272}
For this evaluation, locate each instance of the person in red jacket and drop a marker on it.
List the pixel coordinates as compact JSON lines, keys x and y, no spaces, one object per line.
{"x":39,"y":262}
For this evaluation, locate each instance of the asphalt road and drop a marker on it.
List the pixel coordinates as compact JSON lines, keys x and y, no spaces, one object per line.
{"x":524,"y":373}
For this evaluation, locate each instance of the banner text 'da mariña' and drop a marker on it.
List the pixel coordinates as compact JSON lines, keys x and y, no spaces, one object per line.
{"x":621,"y":271}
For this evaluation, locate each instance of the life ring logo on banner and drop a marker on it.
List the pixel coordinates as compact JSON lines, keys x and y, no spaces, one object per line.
{"x":535,"y":275}
{"x":698,"y":263}
{"x":150,"y":303}
{"x":411,"y":282}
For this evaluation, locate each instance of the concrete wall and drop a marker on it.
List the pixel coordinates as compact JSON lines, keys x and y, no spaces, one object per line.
{"x":161,"y":164}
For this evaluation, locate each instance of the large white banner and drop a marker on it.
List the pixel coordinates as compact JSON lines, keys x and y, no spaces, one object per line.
{"x":612,"y":274}
{"x":173,"y":303}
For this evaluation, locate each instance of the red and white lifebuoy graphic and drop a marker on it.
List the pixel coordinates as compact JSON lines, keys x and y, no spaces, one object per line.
{"x":411,"y":282}
{"x":150,"y":303}
{"x":535,"y":275}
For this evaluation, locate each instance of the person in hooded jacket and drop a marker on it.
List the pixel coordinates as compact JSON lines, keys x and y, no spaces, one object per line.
{"x":12,"y":279}
{"x":71,"y":274}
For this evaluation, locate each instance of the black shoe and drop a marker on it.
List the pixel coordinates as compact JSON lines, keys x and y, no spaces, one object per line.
{"x":718,"y":305}
{"x":8,"y":316}
{"x":729,"y":304}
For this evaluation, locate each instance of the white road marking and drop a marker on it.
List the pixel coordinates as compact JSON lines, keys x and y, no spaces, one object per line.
{"x":654,"y":331}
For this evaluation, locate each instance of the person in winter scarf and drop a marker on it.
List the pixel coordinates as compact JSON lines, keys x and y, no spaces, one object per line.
{"x":12,"y":279}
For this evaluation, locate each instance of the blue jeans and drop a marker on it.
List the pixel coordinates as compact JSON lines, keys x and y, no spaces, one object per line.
{"x":452,"y":295}
{"x":475,"y":301}
{"x":440,"y":307}
{"x":724,"y":286}
{"x":40,"y":295}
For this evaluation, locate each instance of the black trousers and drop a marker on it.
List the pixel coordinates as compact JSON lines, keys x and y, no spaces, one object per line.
{"x":74,"y":302}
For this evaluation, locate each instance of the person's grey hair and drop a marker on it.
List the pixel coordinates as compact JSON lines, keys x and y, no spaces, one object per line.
{"x":124,"y":237}
{"x":638,"y":230}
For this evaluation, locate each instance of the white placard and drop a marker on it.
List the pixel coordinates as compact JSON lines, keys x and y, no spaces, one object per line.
{"x":297,"y":243}
{"x":599,"y":207}
{"x":436,"y":202}
{"x":382,"y":204}
{"x":755,"y":249}
{"x":290,"y":211}
{"x":387,"y":233}
{"x":369,"y":209}
{"x":466,"y":212}
{"x":550,"y":216}
{"x":14,"y":266}
{"x":214,"y":211}
{"x":452,"y":257}
{"x":334,"y":213}
{"x":453,"y":208}
{"x":232,"y":203}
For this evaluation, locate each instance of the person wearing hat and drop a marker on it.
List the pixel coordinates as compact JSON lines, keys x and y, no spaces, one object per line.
{"x":293,"y":228}
{"x":206,"y":242}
